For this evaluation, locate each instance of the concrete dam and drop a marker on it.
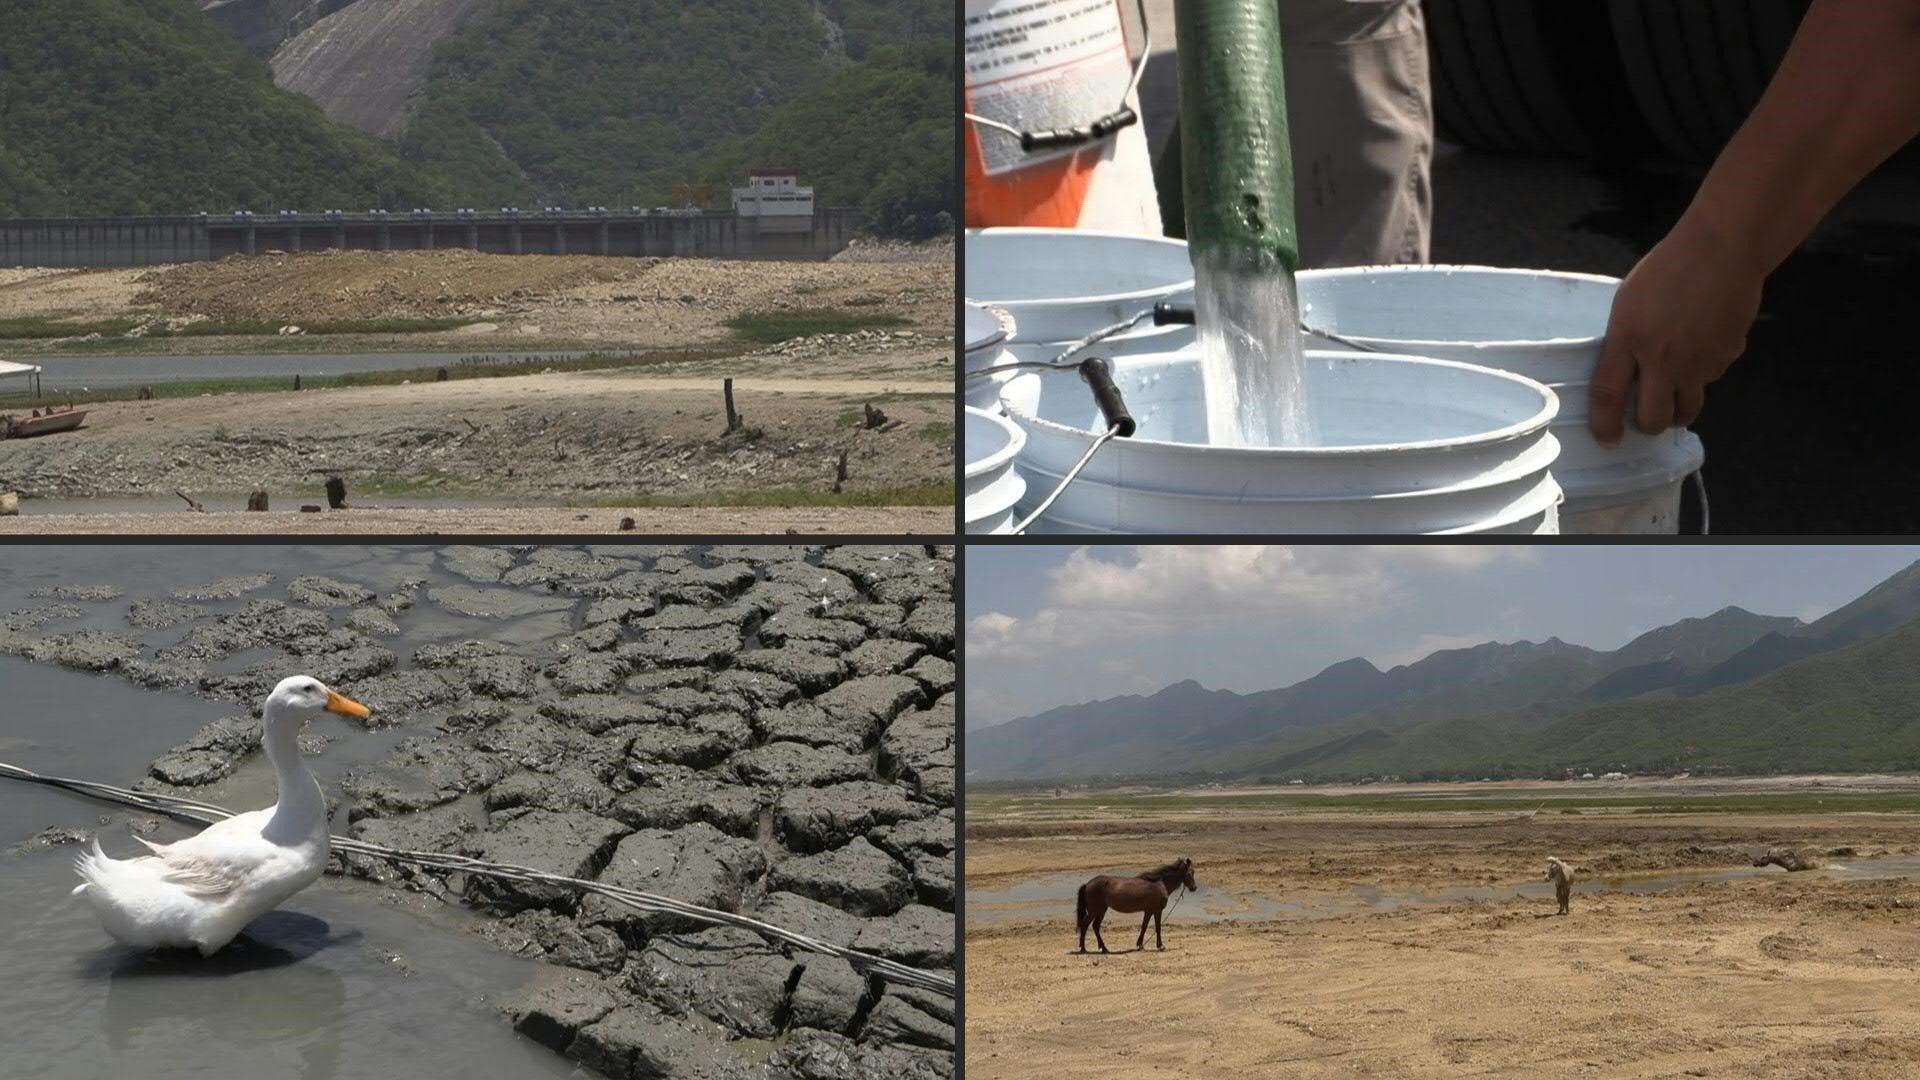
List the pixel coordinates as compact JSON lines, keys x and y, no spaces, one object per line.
{"x":150,"y":241}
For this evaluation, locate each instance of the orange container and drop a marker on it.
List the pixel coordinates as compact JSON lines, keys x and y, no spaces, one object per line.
{"x":1039,"y":65}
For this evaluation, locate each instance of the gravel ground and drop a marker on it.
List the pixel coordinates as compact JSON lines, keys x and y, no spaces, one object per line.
{"x":545,"y":439}
{"x":1393,"y":973}
{"x":519,"y":302}
{"x":679,"y":521}
{"x":767,"y":730}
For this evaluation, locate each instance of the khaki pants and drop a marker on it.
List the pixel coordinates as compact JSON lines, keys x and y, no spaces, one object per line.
{"x":1360,"y":118}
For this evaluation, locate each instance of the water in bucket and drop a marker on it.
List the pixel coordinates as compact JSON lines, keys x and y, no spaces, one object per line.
{"x":1252,"y":358}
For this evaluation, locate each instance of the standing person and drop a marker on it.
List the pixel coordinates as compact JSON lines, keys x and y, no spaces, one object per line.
{"x":1360,"y":121}
{"x":1846,"y":96}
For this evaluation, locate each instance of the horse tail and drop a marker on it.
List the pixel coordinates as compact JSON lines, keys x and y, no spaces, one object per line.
{"x":1080,"y":914}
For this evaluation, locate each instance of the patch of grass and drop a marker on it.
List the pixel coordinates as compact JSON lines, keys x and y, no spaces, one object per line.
{"x":39,"y":327}
{"x":773,"y":327}
{"x":1028,"y":808}
{"x":222,"y":328}
{"x":457,"y":369}
{"x":856,"y":416}
{"x":446,"y":485}
{"x":883,"y":399}
{"x":939,"y":433}
{"x":429,"y":482}
{"x":42,"y":327}
{"x":388,"y":326}
{"x":935,"y":494}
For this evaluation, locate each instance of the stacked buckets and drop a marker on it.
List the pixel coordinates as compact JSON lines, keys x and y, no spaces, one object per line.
{"x":1449,"y":400}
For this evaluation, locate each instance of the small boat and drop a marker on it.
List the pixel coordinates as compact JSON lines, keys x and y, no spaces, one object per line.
{"x":41,"y":422}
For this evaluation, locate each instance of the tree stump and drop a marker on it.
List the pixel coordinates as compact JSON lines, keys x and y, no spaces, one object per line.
{"x":336,"y":493}
{"x":257,"y":501}
{"x":840,"y":472}
{"x":733,"y":418}
{"x":626,"y":524}
{"x":875,"y":418}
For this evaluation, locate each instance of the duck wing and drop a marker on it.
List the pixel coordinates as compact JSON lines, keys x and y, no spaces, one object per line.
{"x":196,"y":874}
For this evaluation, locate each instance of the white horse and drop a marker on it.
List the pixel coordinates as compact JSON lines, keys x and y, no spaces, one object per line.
{"x":1562,"y":877}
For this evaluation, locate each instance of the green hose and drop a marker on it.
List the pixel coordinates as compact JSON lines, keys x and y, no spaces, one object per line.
{"x":1237,"y":164}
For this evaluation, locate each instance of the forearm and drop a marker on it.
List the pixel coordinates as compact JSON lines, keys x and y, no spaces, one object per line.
{"x":1846,"y":96}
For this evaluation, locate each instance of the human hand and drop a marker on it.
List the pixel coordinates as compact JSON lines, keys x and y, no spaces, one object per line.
{"x":1679,"y":320}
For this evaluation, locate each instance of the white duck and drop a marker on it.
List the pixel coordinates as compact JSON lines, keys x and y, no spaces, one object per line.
{"x":199,"y":892}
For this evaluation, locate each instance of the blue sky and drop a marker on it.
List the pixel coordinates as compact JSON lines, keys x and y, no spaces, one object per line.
{"x":1054,"y":625}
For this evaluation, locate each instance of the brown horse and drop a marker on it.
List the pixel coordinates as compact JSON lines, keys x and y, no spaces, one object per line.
{"x":1146,"y":893}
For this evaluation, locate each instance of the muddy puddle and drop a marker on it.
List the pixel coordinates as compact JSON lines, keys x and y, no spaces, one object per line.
{"x":337,"y":983}
{"x":1052,"y":896}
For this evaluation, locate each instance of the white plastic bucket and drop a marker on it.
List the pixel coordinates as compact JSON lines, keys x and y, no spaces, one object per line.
{"x":1544,"y":325}
{"x":992,"y":486}
{"x":1062,"y":284}
{"x":1411,"y":446}
{"x":989,"y":334}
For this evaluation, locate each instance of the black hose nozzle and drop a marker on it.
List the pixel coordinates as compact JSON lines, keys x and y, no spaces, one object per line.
{"x":1099,"y":376}
{"x":1171,"y":314}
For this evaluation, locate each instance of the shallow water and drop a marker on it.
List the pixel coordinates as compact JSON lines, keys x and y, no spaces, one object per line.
{"x":341,"y":982}
{"x":98,"y":372}
{"x":1252,"y":356}
{"x":1052,"y":896}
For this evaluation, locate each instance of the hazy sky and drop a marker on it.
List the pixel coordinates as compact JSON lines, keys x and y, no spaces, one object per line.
{"x":1055,"y":625}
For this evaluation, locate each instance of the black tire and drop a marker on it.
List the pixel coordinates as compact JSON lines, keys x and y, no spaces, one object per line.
{"x":1530,"y":77}
{"x":1696,"y":68}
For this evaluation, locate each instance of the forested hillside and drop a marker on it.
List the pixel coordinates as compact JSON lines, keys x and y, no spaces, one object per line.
{"x":878,"y":135}
{"x":618,"y":102}
{"x":147,"y":107}
{"x":157,"y":106}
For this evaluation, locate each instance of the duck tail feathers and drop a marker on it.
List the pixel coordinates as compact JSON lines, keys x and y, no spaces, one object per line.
{"x":89,"y":864}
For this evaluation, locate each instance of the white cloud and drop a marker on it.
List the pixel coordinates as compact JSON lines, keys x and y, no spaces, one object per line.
{"x":1157,"y":589}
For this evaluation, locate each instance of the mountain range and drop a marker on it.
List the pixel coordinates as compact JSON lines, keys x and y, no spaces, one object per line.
{"x":1732,"y":690}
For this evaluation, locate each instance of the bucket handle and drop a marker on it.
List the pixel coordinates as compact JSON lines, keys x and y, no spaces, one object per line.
{"x":1100,"y":127}
{"x":1314,"y":331}
{"x":1162,"y":314}
{"x":1099,"y":376}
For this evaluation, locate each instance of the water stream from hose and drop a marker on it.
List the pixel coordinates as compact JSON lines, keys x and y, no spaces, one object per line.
{"x":1252,"y":358}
